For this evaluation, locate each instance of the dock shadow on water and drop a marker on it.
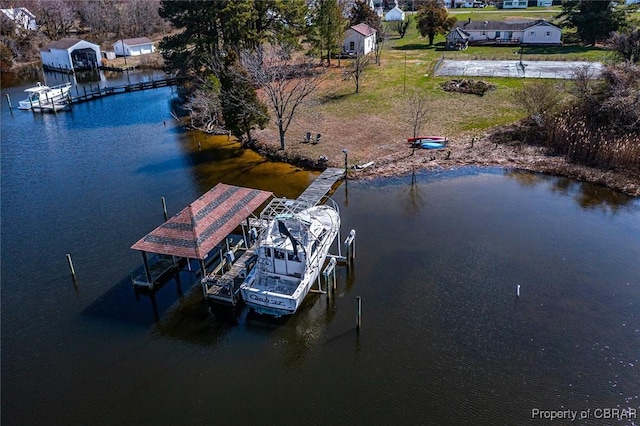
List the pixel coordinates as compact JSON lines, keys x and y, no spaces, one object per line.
{"x":124,"y":302}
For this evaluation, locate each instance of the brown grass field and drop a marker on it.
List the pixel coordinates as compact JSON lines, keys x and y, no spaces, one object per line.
{"x":370,"y":127}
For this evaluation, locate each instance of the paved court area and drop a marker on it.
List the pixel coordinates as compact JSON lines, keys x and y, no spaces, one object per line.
{"x":528,"y":69}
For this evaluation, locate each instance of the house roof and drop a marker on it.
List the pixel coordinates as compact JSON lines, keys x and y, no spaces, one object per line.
{"x":363,"y":29}
{"x":501,"y":25}
{"x":17,"y":12}
{"x":458,"y":33}
{"x":395,"y":11}
{"x":136,"y":41}
{"x":203,"y":224}
{"x":63,"y":43}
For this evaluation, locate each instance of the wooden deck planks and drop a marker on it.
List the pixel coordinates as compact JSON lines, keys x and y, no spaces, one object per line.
{"x":321,"y":186}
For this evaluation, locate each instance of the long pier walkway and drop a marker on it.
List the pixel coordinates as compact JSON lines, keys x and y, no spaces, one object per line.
{"x":321,"y":186}
{"x":101,"y":92}
{"x":225,"y":288}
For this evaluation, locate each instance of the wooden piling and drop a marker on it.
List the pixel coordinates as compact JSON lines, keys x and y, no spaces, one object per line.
{"x":9,"y":101}
{"x":70,"y":262}
{"x":359,"y":313}
{"x":164,"y":209}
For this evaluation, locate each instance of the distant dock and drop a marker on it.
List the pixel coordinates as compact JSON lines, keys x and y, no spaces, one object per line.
{"x":101,"y":92}
{"x":97,"y":93}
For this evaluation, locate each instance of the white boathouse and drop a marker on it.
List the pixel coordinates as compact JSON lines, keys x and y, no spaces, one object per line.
{"x":70,"y":54}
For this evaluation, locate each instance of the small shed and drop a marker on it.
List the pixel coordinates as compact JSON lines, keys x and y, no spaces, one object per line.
{"x":395,"y":14}
{"x":70,"y":54}
{"x":360,"y":39}
{"x":133,"y":46}
{"x":457,"y":39}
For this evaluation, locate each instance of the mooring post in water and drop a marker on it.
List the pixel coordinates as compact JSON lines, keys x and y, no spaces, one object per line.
{"x":359,"y":313}
{"x":9,"y":100}
{"x":73,"y":270}
{"x":518,"y":290}
{"x":344,"y":151}
{"x":164,"y":208}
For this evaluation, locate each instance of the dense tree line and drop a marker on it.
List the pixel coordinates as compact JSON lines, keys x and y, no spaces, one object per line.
{"x":99,"y":21}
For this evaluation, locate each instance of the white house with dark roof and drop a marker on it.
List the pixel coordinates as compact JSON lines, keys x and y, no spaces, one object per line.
{"x":513,"y":4}
{"x":21,"y":17}
{"x":133,"y":46}
{"x":538,"y":32}
{"x":69,"y":54}
{"x":359,"y":39}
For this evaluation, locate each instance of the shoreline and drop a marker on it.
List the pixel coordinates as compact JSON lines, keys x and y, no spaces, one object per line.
{"x":460,"y":152}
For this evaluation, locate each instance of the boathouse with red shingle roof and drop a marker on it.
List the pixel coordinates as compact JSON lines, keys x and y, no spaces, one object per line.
{"x":198,"y":228}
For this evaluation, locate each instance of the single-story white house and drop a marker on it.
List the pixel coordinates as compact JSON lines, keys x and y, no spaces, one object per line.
{"x":530,"y":32}
{"x":395,"y":14}
{"x":70,"y":54}
{"x":133,"y":46}
{"x":513,"y":4}
{"x":22,"y":17}
{"x":360,"y":39}
{"x":545,"y":3}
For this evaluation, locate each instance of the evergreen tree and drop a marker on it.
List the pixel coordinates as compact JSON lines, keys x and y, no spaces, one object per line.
{"x":199,"y":39}
{"x":241,"y":108}
{"x":361,"y":12}
{"x":327,"y":28}
{"x":594,"y":20}
{"x":209,"y":28}
{"x":434,"y":19}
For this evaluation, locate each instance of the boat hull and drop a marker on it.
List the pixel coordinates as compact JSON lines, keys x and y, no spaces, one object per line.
{"x":421,"y":139}
{"x":265,"y":291}
{"x":45,"y":97}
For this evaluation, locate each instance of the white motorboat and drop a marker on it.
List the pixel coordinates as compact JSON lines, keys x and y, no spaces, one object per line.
{"x":41,"y":95}
{"x":290,"y":251}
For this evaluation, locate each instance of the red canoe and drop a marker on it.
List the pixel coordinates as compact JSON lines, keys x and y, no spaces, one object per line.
{"x":421,"y":139}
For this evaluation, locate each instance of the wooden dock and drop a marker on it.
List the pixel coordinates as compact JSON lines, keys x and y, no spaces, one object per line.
{"x":225,"y":288}
{"x":321,"y":186}
{"x":100,"y":92}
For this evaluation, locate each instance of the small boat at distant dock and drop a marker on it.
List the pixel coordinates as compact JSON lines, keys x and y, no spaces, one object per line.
{"x":43,"y":96}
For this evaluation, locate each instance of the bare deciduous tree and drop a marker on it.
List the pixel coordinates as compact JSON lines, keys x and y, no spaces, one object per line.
{"x":537,"y":99}
{"x":284,"y":82}
{"x":415,"y":112}
{"x":381,"y":39}
{"x":56,"y":17}
{"x":401,"y":26}
{"x":356,"y":69}
{"x":627,"y":45}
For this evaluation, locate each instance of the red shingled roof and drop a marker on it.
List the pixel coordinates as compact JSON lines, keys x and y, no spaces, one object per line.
{"x":203,"y":224}
{"x":363,"y":29}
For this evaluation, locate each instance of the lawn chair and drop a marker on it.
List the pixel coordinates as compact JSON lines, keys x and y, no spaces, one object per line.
{"x":317,"y":139}
{"x":306,"y":138}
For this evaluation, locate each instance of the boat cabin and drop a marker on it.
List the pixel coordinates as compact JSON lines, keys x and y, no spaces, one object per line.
{"x":284,"y":248}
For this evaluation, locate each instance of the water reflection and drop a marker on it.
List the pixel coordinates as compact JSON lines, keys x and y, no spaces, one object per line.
{"x":587,"y":196}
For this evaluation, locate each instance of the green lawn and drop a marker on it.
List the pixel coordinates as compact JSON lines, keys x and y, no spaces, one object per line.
{"x":406,"y":67}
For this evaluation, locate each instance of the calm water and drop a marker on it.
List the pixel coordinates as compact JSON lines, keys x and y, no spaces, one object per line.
{"x":444,"y":338}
